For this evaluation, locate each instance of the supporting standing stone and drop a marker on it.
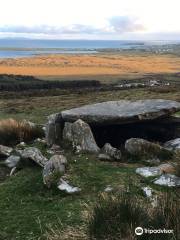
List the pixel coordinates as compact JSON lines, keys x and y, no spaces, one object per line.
{"x":81,"y":137}
{"x":54,"y":129}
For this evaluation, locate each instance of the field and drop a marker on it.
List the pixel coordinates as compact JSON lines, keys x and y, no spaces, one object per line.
{"x":30,"y":211}
{"x":103,"y":65}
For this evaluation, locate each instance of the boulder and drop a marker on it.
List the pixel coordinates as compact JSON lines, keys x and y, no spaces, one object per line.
{"x":142,"y":147}
{"x":112,"y":152}
{"x":12,"y":161}
{"x":173,"y":144}
{"x":5,"y":151}
{"x":33,"y":154}
{"x":53,"y":169}
{"x":80,"y":135}
{"x":67,"y":188}
{"x":118,"y":112}
{"x":168,"y":180}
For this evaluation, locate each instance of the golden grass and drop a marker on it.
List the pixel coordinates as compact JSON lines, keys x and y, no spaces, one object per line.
{"x":13,"y":131}
{"x":93,"y":65}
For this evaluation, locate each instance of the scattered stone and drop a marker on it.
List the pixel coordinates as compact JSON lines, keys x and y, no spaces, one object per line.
{"x":108,"y":189}
{"x":167,"y":168}
{"x":173,"y":144}
{"x":40,"y":140}
{"x":118,"y":112}
{"x":112,"y":152}
{"x":104,"y":157}
{"x":13,"y":171}
{"x":12,"y":161}
{"x":81,"y":137}
{"x":147,"y":191}
{"x":33,"y":154}
{"x":53,"y":169}
{"x":168,"y":180}
{"x":149,"y":171}
{"x":154,"y":161}
{"x":22,"y":144}
{"x":156,"y":171}
{"x":142,"y":147}
{"x":5,"y":151}
{"x":65,"y":186}
{"x":56,"y":149}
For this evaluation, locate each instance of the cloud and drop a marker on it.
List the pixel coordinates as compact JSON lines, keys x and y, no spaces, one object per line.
{"x":118,"y":24}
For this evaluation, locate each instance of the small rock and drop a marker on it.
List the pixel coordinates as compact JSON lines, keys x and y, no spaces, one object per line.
{"x":156,"y":171}
{"x":56,"y":149}
{"x":64,"y":186}
{"x":168,"y":180}
{"x":53,"y":168}
{"x":12,"y":161}
{"x":147,"y":191}
{"x":39,"y":140}
{"x":104,"y":157}
{"x":111,"y":151}
{"x":13,"y":170}
{"x":22,"y":144}
{"x":167,"y":168}
{"x":5,"y":151}
{"x":108,"y":189}
{"x":173,"y":144}
{"x":33,"y":154}
{"x":153,"y":161}
{"x":149,"y":171}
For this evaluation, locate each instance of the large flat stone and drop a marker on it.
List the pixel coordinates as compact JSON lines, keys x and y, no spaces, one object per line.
{"x":120,"y":112}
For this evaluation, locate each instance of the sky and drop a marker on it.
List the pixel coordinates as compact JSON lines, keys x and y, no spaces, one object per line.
{"x":91,"y":19}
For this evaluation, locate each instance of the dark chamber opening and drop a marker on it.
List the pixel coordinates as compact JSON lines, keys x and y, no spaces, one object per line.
{"x":118,"y":134}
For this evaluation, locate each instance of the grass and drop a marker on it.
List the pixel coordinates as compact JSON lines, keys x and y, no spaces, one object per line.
{"x":116,"y":217}
{"x":13,"y":131}
{"x":27,"y":207}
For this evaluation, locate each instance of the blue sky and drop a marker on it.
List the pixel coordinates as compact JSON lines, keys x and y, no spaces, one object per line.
{"x":91,"y":19}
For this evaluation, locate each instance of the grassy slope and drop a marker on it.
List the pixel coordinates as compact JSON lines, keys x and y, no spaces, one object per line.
{"x":26,"y":206}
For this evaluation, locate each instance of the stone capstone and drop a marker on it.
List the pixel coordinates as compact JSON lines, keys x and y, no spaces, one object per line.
{"x":118,"y":112}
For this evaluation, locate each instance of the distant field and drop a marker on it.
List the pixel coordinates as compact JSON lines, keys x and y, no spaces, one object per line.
{"x":106,"y":66}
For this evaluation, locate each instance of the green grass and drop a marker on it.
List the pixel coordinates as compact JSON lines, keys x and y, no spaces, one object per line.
{"x":27,"y":207}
